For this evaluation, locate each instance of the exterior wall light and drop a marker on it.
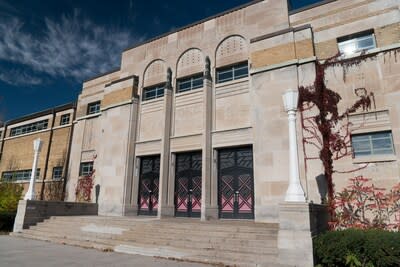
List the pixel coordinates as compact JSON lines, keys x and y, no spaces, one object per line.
{"x":37,"y":147}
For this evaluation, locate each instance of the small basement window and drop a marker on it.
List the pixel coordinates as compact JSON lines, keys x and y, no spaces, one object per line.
{"x":153,"y":92}
{"x":369,"y":144}
{"x":357,"y":42}
{"x":232,"y":72}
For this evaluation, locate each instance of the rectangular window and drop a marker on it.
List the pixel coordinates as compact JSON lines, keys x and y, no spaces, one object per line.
{"x":233,"y":72}
{"x":20,"y":175}
{"x":93,"y":108}
{"x":189,"y":83}
{"x":29,"y":128}
{"x":378,"y":143}
{"x":57,"y":173}
{"x":153,"y":92}
{"x":356,"y":42}
{"x":86,"y":168}
{"x":64,"y":119}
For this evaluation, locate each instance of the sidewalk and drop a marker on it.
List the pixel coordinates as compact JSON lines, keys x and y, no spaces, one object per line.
{"x":26,"y":252}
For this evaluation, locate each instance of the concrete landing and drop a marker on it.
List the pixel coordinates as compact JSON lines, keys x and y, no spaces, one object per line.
{"x":16,"y":252}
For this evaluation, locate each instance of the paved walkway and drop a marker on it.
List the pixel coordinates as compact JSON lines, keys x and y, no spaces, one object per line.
{"x":26,"y":252}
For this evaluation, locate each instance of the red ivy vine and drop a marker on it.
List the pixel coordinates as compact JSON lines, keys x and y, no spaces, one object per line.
{"x":328,"y":130}
{"x":84,"y":187}
{"x":83,"y":191}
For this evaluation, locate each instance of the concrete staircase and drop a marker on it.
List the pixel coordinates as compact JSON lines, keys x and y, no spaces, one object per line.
{"x":223,"y":243}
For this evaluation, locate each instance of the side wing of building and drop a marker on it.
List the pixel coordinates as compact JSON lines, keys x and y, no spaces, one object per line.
{"x":54,"y":128}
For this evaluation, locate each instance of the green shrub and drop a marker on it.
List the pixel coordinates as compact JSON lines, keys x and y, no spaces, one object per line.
{"x":10,"y":194}
{"x":355,"y":247}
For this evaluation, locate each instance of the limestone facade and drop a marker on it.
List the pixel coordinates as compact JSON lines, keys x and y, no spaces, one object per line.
{"x":281,"y":49}
{"x":142,"y":117}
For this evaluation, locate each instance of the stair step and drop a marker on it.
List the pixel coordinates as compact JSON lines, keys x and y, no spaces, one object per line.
{"x":227,"y":243}
{"x":221,"y":246}
{"x":217,"y":227}
{"x":269,"y":234}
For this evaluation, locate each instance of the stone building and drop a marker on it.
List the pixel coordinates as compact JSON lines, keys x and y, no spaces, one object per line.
{"x":54,"y":128}
{"x":192,"y":123}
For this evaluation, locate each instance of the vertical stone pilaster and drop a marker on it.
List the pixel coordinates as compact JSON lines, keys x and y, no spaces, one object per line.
{"x":209,"y":209}
{"x":131,"y":186}
{"x":164,"y":207}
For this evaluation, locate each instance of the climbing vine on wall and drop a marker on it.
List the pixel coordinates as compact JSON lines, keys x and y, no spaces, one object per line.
{"x":84,"y":187}
{"x":323,"y":126}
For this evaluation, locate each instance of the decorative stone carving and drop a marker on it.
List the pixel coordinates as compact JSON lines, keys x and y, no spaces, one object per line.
{"x":207,"y":70}
{"x":233,"y":49}
{"x":192,"y":61}
{"x":155,"y":72}
{"x":168,"y":84}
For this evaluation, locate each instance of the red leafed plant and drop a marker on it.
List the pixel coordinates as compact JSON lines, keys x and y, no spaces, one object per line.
{"x":84,"y":188}
{"x":363,"y":205}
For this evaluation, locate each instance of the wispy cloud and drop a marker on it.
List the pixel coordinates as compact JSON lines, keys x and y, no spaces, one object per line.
{"x":19,"y":77}
{"x":71,"y":47}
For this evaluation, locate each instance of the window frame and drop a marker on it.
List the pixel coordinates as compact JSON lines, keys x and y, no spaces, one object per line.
{"x":95,"y":106}
{"x":372,"y":150}
{"x":26,"y":174}
{"x":190,"y":79}
{"x":57,"y":169}
{"x":90,"y":168}
{"x":157,"y":88}
{"x":355,"y":39}
{"x":233,"y":68}
{"x":29,"y":128}
{"x":63,"y":120}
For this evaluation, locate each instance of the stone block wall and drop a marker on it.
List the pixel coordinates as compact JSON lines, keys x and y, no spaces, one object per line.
{"x":30,"y":212}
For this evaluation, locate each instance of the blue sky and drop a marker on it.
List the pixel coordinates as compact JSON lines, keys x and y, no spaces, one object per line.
{"x":47,"y":47}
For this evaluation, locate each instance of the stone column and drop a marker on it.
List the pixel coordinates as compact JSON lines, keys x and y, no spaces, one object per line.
{"x":295,"y":192}
{"x":133,"y":164}
{"x":295,"y":230}
{"x":37,"y":146}
{"x":209,"y":208}
{"x":164,"y":208}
